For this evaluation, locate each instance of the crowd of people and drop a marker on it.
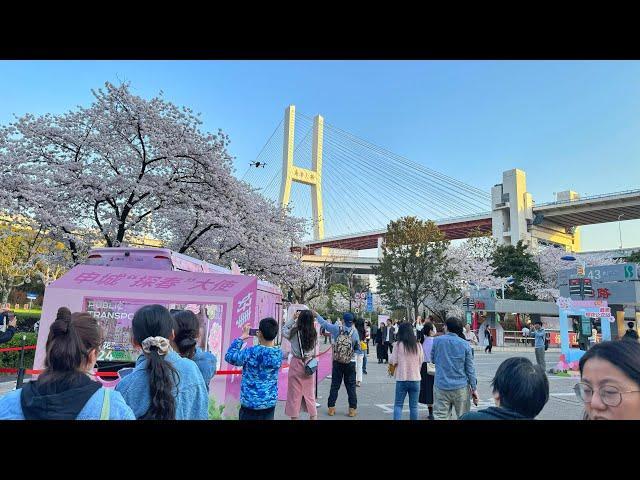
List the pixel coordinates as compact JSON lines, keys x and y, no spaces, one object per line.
{"x":171,"y":377}
{"x":169,"y":380}
{"x":442,"y":375}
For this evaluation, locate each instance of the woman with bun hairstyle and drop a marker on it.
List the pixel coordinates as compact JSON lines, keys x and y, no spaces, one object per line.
{"x":163,"y":385}
{"x":65,"y":390}
{"x":187,"y":330}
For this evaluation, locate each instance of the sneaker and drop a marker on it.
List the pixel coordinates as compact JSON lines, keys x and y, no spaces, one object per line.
{"x":364,"y":373}
{"x":329,"y":376}
{"x":358,"y":384}
{"x":332,"y":411}
{"x":352,"y":412}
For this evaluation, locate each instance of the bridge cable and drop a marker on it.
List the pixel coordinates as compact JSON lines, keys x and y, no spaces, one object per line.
{"x":387,"y":180}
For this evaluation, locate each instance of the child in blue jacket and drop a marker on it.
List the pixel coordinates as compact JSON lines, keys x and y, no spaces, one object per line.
{"x":261,"y":364}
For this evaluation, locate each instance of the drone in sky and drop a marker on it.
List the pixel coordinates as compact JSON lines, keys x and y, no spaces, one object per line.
{"x":257,"y":164}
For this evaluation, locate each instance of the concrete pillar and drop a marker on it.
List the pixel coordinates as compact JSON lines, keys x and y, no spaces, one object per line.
{"x":568,"y":195}
{"x":512,"y":209}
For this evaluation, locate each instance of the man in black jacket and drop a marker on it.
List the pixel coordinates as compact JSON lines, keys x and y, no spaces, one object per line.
{"x":520,"y":390}
{"x":631,"y":333}
{"x":388,"y":337}
{"x":10,"y":318}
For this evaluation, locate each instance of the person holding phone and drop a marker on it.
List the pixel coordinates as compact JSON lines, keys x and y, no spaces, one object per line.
{"x":301,"y":393}
{"x":9,"y":318}
{"x":260,"y":367}
{"x":539,"y":336}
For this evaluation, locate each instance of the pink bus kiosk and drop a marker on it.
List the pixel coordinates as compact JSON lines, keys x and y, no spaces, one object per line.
{"x":115,"y":282}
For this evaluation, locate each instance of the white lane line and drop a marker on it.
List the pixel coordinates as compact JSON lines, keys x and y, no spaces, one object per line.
{"x":388,"y":407}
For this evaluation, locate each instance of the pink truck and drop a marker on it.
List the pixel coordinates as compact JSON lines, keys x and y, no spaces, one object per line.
{"x":115,"y":282}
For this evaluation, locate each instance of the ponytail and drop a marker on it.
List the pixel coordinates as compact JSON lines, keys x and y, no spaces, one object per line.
{"x":187,"y":331}
{"x":152,"y":325}
{"x":163,"y":403}
{"x":71,"y":338}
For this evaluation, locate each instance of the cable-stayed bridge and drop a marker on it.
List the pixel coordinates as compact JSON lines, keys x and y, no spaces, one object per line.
{"x":350,"y":189}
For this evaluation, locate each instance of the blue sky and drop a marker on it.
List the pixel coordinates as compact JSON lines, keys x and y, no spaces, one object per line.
{"x":569,"y":125}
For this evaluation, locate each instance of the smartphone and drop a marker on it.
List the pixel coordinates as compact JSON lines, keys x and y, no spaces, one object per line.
{"x":253,"y":332}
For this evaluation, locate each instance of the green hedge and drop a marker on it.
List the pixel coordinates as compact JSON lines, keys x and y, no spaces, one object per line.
{"x":26,"y":319}
{"x":12,"y":359}
{"x":216,"y":412}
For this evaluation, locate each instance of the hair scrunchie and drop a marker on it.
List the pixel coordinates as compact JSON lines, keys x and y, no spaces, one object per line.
{"x":161,"y":343}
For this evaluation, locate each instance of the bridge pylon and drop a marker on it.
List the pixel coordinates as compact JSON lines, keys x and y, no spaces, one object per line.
{"x":292,"y":173}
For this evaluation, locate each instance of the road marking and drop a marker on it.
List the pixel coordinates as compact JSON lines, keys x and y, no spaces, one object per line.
{"x":388,"y":407}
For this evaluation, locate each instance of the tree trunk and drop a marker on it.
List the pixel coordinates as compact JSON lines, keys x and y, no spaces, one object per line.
{"x":4,"y":298}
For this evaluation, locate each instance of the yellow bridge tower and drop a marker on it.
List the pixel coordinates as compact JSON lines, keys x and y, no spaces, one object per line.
{"x":292,"y":173}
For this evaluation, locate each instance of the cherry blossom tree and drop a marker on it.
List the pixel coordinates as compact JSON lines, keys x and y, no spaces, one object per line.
{"x":125,"y":167}
{"x":468,"y":268}
{"x":305,"y":283}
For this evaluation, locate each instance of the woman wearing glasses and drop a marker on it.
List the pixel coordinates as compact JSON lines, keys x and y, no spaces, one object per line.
{"x":610,"y":381}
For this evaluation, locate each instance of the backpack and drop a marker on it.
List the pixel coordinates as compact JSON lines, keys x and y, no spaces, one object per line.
{"x":546,"y":344}
{"x":343,"y":348}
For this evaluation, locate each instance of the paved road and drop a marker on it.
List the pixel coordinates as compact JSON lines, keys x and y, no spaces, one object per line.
{"x":376,"y":395}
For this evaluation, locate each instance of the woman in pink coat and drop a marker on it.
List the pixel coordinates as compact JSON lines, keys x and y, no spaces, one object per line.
{"x":302,"y":335}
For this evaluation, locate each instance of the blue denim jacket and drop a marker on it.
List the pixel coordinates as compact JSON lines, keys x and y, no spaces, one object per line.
{"x":207,"y":363}
{"x":11,"y":407}
{"x":454,"y":362}
{"x":539,"y":334}
{"x":192,"y":400}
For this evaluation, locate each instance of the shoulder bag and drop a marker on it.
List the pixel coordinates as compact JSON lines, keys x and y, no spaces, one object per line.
{"x":311,"y":365}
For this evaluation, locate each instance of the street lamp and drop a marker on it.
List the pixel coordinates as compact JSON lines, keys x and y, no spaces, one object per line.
{"x":571,"y":258}
{"x":509,"y":281}
{"x":620,"y":229}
